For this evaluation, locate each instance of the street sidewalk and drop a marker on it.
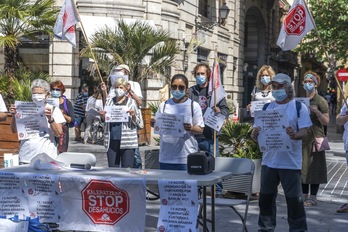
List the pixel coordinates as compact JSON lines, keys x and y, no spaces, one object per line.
{"x":320,"y":218}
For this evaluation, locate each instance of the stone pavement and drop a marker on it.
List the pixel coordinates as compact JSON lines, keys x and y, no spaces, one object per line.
{"x":320,"y":218}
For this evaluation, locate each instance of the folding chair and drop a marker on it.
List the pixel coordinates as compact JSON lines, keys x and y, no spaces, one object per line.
{"x":241,"y":182}
{"x":77,"y":159}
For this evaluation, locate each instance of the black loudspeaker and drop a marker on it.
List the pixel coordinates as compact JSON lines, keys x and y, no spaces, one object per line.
{"x":200,"y":163}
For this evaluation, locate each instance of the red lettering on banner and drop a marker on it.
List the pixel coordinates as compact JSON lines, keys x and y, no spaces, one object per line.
{"x":104,"y":203}
{"x":295,"y":22}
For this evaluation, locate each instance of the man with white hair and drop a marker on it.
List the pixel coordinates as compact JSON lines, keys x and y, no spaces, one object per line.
{"x":52,"y":119}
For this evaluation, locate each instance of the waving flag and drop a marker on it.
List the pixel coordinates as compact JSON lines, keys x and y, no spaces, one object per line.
{"x":64,"y":27}
{"x":295,"y":26}
{"x":215,"y":84}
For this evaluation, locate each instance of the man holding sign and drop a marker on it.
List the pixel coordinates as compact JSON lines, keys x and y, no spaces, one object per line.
{"x":283,"y":166}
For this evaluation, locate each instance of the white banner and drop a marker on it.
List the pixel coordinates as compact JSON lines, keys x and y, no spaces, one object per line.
{"x":179,"y":205}
{"x":103,"y":204}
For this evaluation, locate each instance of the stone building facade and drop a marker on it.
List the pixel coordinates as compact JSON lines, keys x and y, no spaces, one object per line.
{"x":243,"y":43}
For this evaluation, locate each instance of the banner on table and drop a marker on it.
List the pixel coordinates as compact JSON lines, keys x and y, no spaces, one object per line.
{"x":179,"y":205}
{"x":103,"y":204}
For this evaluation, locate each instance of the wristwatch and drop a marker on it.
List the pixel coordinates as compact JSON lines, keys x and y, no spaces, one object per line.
{"x":51,"y":121}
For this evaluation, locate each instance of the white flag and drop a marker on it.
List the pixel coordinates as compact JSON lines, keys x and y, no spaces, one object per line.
{"x":64,"y":27}
{"x":295,"y":26}
{"x":215,"y":84}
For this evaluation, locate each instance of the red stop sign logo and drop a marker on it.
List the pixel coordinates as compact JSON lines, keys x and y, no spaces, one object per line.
{"x":104,"y":203}
{"x":295,"y":22}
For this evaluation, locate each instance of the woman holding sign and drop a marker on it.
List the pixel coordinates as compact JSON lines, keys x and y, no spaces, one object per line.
{"x":120,"y":136}
{"x":314,"y":170}
{"x":174,"y":148}
{"x":50,"y":125}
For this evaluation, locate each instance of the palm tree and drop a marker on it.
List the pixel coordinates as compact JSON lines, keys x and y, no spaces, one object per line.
{"x":23,"y":18}
{"x":143,"y":48}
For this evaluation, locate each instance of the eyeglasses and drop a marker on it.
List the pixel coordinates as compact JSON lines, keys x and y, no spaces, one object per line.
{"x":180,"y":87}
{"x":200,"y":73}
{"x":56,"y":89}
{"x":278,"y":86}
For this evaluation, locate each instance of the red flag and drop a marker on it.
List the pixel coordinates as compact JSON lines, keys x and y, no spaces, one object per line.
{"x":295,"y":26}
{"x":215,"y":84}
{"x":64,"y":27}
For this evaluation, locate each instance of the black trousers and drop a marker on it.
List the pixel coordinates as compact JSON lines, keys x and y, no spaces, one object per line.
{"x":116,"y":155}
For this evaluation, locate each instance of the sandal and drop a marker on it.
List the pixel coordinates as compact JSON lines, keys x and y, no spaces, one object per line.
{"x":310,"y":202}
{"x":343,"y":209}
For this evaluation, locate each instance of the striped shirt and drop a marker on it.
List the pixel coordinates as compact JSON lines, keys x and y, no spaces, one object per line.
{"x":80,"y":102}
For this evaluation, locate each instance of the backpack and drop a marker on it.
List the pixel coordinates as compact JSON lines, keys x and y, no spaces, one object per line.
{"x":298,"y":107}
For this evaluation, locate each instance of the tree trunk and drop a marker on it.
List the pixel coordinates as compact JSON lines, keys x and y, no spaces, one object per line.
{"x":11,"y":59}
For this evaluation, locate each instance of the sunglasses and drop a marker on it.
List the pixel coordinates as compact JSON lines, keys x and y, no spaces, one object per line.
{"x":180,"y":87}
{"x":200,"y":73}
{"x":56,"y":89}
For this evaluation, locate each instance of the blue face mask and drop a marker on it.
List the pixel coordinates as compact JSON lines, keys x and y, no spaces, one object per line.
{"x":85,"y":94}
{"x":177,"y":94}
{"x":265,"y":80}
{"x":200,"y":80}
{"x":279,"y":94}
{"x":55,"y":93}
{"x":309,"y":87}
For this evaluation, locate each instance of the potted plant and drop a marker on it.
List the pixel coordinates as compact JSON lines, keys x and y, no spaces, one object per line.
{"x":235,"y":141}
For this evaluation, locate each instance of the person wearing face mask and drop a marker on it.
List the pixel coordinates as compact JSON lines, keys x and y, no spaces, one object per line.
{"x":314,"y":170}
{"x":54,"y":119}
{"x":263,"y":89}
{"x":133,"y":91}
{"x":80,"y":111}
{"x":57,"y":91}
{"x":174,"y":150}
{"x":93,"y":107}
{"x":284,"y":166}
{"x":121,"y":138}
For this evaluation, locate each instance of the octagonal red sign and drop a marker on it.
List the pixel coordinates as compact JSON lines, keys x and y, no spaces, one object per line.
{"x":295,"y":22}
{"x":104,"y":203}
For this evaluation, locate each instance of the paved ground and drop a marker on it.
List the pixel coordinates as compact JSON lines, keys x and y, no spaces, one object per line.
{"x":320,"y":218}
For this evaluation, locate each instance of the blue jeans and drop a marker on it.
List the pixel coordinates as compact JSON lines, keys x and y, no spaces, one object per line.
{"x":208,"y":145}
{"x":166,"y":166}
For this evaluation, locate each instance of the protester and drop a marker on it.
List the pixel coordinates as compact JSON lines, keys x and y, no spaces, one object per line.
{"x":121,"y":138}
{"x":80,"y":111}
{"x":174,"y":150}
{"x":53,"y":119}
{"x":93,"y":108}
{"x":263,"y":89}
{"x":333,"y":101}
{"x":314,"y":170}
{"x":3,"y":110}
{"x":57,"y":91}
{"x":133,"y":91}
{"x":200,"y":93}
{"x":342,"y":119}
{"x":281,"y":166}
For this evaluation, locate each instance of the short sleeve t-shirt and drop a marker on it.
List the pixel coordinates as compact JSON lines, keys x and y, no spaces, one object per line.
{"x":2,"y":105}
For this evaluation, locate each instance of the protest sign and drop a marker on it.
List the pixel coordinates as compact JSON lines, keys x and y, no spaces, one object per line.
{"x":213,"y":120}
{"x":169,"y":124}
{"x":257,"y":105}
{"x":116,"y":114}
{"x":179,"y":205}
{"x":272,"y":125}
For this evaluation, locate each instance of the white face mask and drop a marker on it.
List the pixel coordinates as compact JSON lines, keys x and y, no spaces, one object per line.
{"x":119,"y":92}
{"x":38,"y":98}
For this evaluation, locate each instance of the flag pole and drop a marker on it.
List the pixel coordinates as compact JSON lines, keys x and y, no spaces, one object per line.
{"x":90,"y":48}
{"x":88,"y":43}
{"x":326,"y":53}
{"x":214,"y":92}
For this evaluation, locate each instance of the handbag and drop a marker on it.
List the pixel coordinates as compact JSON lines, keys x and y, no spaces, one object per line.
{"x":321,"y":144}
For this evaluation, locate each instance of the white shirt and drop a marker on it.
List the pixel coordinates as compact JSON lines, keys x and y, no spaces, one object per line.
{"x":45,"y":143}
{"x":2,"y":105}
{"x":262,"y":95}
{"x":174,"y":150}
{"x":291,"y":159}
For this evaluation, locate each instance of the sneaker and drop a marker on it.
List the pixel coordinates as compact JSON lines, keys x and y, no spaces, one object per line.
{"x":78,"y":139}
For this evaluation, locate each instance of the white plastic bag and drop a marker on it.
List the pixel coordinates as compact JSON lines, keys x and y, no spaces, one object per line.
{"x":44,"y":162}
{"x":7,"y":225}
